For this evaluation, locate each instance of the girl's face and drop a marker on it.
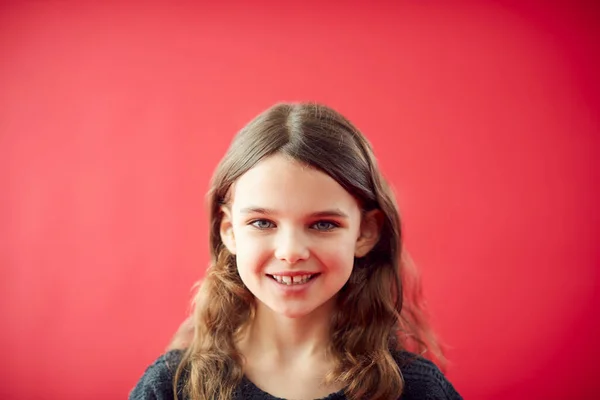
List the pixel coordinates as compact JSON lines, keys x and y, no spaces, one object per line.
{"x":295,"y":232}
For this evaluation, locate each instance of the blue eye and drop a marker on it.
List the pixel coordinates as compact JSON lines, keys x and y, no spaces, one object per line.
{"x":325,"y":225}
{"x":262,"y":224}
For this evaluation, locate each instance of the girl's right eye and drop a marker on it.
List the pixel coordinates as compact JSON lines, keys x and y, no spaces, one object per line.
{"x":262,"y":224}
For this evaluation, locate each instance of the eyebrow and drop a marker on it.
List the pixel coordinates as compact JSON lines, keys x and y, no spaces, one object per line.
{"x":319,"y":214}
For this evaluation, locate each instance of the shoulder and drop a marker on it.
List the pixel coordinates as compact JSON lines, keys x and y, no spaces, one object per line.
{"x":157,"y":381}
{"x":423,"y":379}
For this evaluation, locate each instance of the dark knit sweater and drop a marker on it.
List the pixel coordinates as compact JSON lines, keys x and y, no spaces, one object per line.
{"x":422,"y":381}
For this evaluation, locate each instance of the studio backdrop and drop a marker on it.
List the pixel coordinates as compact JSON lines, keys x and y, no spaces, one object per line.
{"x":483,"y":116}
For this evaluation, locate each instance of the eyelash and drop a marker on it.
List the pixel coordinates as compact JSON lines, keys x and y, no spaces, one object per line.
{"x":332,"y":224}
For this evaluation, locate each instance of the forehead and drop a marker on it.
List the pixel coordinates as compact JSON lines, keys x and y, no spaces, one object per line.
{"x":286,"y":185}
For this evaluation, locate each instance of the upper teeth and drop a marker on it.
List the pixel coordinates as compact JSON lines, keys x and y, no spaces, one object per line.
{"x":292,"y":280}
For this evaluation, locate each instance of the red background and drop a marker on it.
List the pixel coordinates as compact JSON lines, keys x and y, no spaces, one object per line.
{"x":484,"y":116}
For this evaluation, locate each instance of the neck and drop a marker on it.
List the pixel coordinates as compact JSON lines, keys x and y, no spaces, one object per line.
{"x":283,"y":338}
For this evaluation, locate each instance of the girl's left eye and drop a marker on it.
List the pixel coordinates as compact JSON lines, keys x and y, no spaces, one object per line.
{"x":325,"y":225}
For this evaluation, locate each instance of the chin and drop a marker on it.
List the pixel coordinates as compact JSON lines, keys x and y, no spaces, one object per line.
{"x":292,"y":313}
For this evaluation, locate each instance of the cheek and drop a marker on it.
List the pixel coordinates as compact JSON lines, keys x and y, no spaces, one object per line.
{"x":338,"y":256}
{"x":251,"y":252}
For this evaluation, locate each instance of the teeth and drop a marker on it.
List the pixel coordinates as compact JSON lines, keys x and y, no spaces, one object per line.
{"x":296,"y":280}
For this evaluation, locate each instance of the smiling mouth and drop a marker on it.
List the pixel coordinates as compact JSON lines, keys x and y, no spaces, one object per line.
{"x":293,"y":280}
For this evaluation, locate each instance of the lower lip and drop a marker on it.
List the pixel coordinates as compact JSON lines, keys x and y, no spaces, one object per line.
{"x":293,"y":289}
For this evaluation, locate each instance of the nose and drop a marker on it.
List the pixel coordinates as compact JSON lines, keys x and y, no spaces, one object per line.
{"x":291,"y":247}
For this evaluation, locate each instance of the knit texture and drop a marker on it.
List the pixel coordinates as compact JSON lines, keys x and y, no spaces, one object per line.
{"x":422,"y":381}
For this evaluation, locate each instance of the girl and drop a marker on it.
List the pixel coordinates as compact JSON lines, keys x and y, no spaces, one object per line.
{"x":309,"y":294}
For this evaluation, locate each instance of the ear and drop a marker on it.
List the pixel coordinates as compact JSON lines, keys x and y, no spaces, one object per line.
{"x":226,"y":229}
{"x":370,"y":231}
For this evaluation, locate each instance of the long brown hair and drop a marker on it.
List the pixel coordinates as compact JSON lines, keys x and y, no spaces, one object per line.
{"x":379,"y":310}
